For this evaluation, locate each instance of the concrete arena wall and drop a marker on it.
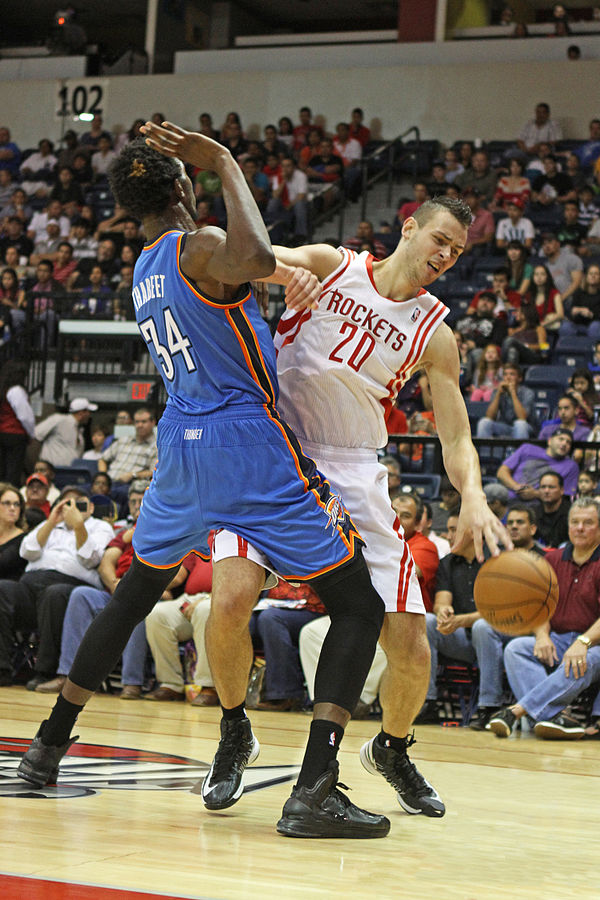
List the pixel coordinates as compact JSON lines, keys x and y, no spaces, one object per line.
{"x":448,"y":102}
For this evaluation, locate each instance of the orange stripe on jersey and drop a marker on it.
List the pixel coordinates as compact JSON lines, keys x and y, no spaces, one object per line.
{"x":258,"y":350}
{"x":246,"y":351}
{"x":352,"y":533}
{"x":158,"y":240}
{"x":351,"y":254}
{"x":171,"y":565}
{"x":342,"y":562}
{"x":195,"y":290}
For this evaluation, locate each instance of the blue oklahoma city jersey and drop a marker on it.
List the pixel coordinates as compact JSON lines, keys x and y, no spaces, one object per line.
{"x":209,"y":357}
{"x":225,"y":458}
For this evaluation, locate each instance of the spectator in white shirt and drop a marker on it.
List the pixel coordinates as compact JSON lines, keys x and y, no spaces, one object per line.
{"x":103,"y":157}
{"x":61,"y":432}
{"x":288,"y":202}
{"x":62,"y":553}
{"x":37,"y":227}
{"x":541,"y":129}
{"x":515,"y":227}
{"x":351,"y":152}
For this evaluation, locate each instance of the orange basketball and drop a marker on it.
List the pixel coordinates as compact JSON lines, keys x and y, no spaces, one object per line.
{"x":516,"y":591}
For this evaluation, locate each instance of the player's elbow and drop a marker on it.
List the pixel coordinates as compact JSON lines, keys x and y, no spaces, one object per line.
{"x":261,"y":263}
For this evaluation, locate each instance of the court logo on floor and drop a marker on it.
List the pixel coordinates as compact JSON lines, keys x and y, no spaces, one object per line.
{"x":89,"y":768}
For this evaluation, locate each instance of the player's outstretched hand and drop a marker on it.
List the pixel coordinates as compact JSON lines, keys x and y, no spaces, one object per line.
{"x":477,"y":520}
{"x":188,"y":146}
{"x":302,"y":290}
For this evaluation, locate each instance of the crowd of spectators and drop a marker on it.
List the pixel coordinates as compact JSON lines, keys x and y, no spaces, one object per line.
{"x":531,"y":279}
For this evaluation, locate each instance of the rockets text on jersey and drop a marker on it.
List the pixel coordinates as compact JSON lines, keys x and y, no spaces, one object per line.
{"x":341,"y":365}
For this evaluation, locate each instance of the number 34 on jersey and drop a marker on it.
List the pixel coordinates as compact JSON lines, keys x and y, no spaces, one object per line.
{"x":175,"y":343}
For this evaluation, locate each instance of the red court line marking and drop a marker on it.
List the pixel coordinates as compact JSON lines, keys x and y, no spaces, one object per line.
{"x":14,"y":887}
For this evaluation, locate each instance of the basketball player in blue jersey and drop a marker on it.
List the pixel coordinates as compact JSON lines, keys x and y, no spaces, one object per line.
{"x":227,"y":464}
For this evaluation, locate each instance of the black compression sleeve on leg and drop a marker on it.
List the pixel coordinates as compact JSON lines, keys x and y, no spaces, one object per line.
{"x":104,"y":641}
{"x":356,"y":611}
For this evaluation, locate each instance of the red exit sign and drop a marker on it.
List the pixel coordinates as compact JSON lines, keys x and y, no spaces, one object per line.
{"x":139,"y":390}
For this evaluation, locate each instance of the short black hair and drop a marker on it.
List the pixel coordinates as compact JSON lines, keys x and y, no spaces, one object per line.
{"x":523,"y":508}
{"x":141,"y":179}
{"x":102,"y":474}
{"x":553,"y":474}
{"x":456,"y":207}
{"x":561,"y":430}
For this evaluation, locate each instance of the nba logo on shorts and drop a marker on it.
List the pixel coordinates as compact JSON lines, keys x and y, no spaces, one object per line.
{"x":415,"y":314}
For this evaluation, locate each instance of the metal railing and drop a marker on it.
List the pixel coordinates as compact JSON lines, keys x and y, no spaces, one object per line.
{"x":381,"y":163}
{"x":492,"y":452}
{"x":28,"y":343}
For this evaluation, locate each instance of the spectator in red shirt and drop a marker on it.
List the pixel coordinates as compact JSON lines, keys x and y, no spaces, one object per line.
{"x":409,"y":509}
{"x":483,"y":228}
{"x":409,"y":208}
{"x":301,"y":130}
{"x":357,"y":130}
{"x":36,"y":498}
{"x":64,"y":264}
{"x":567,"y":644}
{"x":506,"y":300}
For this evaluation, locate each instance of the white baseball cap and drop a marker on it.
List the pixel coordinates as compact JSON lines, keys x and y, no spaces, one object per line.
{"x":78,"y":404}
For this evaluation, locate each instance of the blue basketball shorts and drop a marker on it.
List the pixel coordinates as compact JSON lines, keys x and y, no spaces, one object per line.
{"x":243,"y":470}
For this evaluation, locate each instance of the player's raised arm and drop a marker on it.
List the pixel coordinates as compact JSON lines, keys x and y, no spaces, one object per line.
{"x":302,"y":270}
{"x":460,"y":457}
{"x":244,"y":252}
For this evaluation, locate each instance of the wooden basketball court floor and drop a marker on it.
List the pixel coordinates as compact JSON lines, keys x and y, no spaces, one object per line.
{"x":522,"y":821}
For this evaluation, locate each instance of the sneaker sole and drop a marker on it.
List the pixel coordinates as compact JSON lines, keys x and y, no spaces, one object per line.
{"x":240,"y":790}
{"x":300,"y":829}
{"x":36,"y":780}
{"x":549,"y":731}
{"x":500,"y":728}
{"x":370,"y":765}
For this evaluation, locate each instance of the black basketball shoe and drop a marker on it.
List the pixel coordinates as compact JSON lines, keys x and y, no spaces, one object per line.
{"x":322,"y":811}
{"x":39,"y":765}
{"x":415,"y":795}
{"x":237,"y":748}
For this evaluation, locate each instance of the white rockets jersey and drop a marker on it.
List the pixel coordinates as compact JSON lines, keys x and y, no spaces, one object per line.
{"x":341,"y":366}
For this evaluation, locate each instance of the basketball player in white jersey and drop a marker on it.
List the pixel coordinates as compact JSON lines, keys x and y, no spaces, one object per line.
{"x":340,"y":366}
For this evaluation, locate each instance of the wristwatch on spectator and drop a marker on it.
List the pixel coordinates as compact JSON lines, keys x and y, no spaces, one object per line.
{"x":584,"y":639}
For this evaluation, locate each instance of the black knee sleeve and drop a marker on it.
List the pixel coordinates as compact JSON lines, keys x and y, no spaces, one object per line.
{"x":356,"y":612}
{"x":104,"y":641}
